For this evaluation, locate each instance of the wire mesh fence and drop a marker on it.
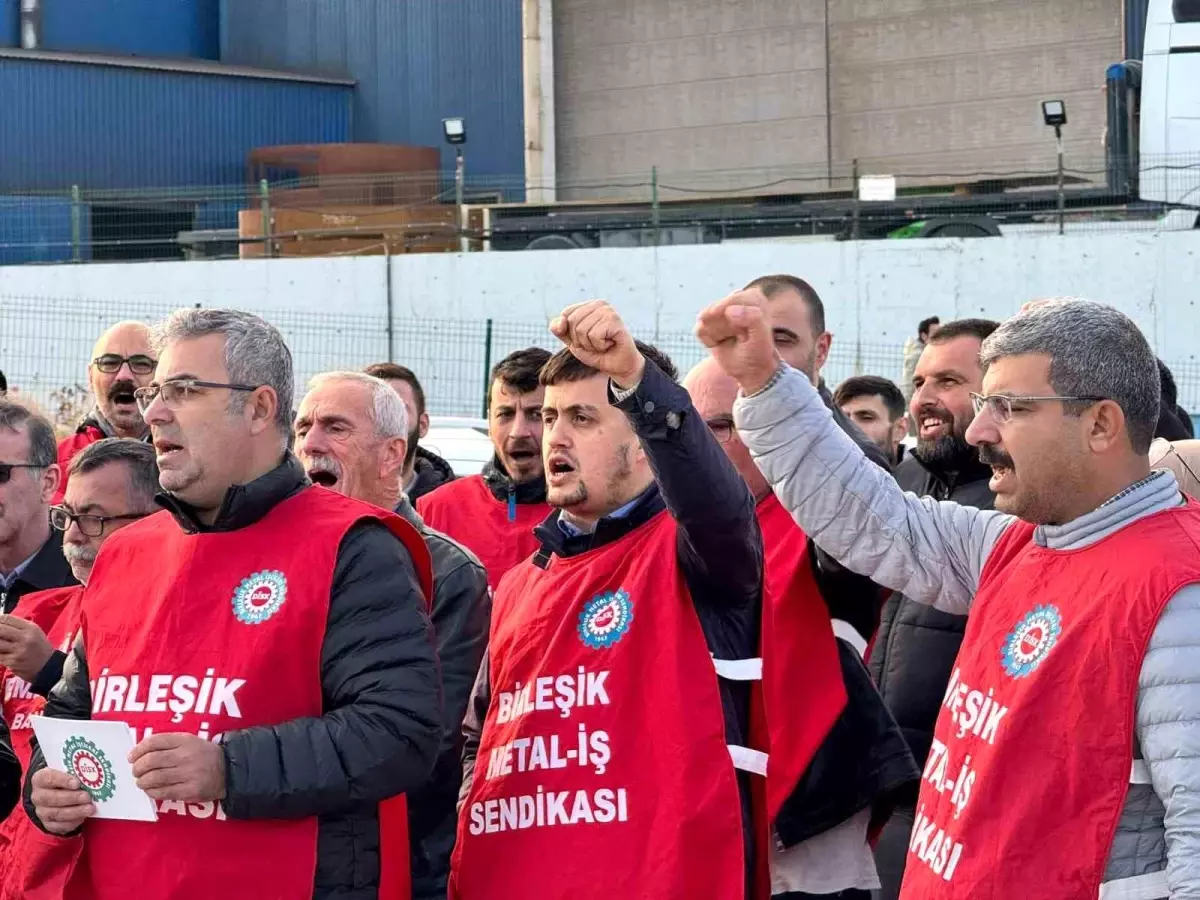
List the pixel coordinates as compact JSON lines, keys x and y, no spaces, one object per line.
{"x":46,"y":346}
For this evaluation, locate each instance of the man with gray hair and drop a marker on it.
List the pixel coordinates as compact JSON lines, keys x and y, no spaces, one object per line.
{"x":351,"y":436}
{"x":1066,"y":757}
{"x":277,"y":667}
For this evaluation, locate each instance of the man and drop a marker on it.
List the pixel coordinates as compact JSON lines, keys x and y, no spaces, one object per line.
{"x":797,"y":319}
{"x":914,"y":651}
{"x":494,"y":514}
{"x":122,"y":362}
{"x":350,"y":436}
{"x":31,"y":552}
{"x":113,"y":483}
{"x":836,"y":755}
{"x":913,"y":348}
{"x":876,"y":406}
{"x":423,"y":469}
{"x":599,"y":703}
{"x":1065,"y":752}
{"x":287,"y":623}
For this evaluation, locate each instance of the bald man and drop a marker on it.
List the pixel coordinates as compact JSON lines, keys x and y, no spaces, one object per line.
{"x":826,"y":786}
{"x":122,"y":362}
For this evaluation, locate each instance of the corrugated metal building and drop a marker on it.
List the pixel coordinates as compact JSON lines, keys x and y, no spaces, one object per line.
{"x":414,"y":62}
{"x":161,"y":28}
{"x":116,"y":124}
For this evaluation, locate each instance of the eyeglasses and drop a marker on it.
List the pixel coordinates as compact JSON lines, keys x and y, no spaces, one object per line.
{"x":1001,"y":407}
{"x":92,"y":526}
{"x":722,"y":429}
{"x":6,"y":470}
{"x":139,"y":363}
{"x":175,"y":393}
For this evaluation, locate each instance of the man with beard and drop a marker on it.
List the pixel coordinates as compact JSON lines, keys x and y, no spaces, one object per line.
{"x":914,"y":651}
{"x":350,"y":437}
{"x":424,"y":470}
{"x":113,"y":483}
{"x":1066,"y":758}
{"x":122,"y":362}
{"x":494,"y":513}
{"x":615,"y":694}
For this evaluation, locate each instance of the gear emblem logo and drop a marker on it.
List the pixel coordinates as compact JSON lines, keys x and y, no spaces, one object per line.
{"x":605,"y":619}
{"x":88,"y":763}
{"x":1031,"y":641}
{"x":259,"y":597}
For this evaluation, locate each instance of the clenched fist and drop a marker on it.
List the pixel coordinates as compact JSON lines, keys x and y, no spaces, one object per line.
{"x":595,"y":335}
{"x":738,"y":334}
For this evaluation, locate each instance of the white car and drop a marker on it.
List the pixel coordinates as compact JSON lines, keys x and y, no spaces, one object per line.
{"x":461,"y":441}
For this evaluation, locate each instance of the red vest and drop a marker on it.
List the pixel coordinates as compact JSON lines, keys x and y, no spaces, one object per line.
{"x":603,"y":770}
{"x":68,"y":448}
{"x":208,"y":633}
{"x":499,"y":533}
{"x":56,"y":612}
{"x":799,"y":649}
{"x":1033,"y":747}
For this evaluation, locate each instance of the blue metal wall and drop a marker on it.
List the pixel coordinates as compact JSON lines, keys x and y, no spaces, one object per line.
{"x":171,"y":28}
{"x":39,"y":229}
{"x":10,"y":23}
{"x":112,"y":127}
{"x":415,"y":61}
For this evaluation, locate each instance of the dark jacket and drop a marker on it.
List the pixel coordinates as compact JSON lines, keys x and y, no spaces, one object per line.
{"x":10,"y":773}
{"x":916,"y":646}
{"x":505,"y":489}
{"x":430,"y":472}
{"x":719,"y":548}
{"x":380,"y":731}
{"x":462,"y":611}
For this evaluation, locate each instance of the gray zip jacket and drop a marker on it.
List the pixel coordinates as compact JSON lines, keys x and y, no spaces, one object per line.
{"x":934,"y":552}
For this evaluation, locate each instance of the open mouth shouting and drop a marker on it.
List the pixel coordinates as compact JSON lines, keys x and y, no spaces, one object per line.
{"x":934,"y":423}
{"x":325,"y":472}
{"x":120,"y":395}
{"x":559,"y":468}
{"x":1003,"y":468}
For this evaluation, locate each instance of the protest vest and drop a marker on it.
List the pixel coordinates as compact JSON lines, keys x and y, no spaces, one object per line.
{"x":214,"y":632}
{"x":1033,"y":750}
{"x":499,"y":533}
{"x":603,"y":770}
{"x":802,"y":684}
{"x":56,"y":612}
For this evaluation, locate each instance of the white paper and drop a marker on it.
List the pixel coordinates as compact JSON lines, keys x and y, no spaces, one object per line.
{"x":97,"y":754}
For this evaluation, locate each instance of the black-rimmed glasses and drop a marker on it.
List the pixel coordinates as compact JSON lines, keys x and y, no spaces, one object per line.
{"x":139,"y":363}
{"x":6,"y":470}
{"x":90,"y":525}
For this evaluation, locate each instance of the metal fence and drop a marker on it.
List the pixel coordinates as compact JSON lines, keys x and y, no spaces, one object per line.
{"x":45,"y":346}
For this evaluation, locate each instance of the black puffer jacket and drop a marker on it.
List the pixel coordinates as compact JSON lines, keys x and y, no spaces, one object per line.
{"x":430,"y":471}
{"x":462,"y":612}
{"x":916,"y":645}
{"x":10,"y":773}
{"x":380,"y":732}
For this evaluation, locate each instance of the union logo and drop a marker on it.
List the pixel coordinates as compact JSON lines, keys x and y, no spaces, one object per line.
{"x":605,"y":619}
{"x":1031,"y":641}
{"x":259,"y":597}
{"x":88,"y":763}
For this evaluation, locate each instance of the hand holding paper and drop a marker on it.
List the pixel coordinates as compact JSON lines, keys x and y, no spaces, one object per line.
{"x":60,"y":803}
{"x":179,"y":767}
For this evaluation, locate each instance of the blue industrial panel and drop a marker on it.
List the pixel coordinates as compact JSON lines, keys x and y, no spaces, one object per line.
{"x":115,"y":127}
{"x":415,"y":62}
{"x":10,"y":23}
{"x":162,"y":28}
{"x":39,"y":229}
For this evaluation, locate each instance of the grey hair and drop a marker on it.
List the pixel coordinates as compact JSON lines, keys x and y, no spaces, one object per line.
{"x":255,"y":352}
{"x":388,"y":413}
{"x":139,"y":460}
{"x":1095,"y":351}
{"x":43,"y":447}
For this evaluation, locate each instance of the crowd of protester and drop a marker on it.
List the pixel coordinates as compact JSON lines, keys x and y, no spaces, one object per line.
{"x":731,"y":634}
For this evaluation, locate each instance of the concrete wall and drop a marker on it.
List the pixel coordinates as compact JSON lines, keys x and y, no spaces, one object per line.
{"x":334,"y":311}
{"x":722,"y":94}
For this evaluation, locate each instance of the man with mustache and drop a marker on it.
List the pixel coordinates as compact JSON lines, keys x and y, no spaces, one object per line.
{"x":1066,"y":758}
{"x":275,"y":663}
{"x":350,"y":437}
{"x":494,"y":513}
{"x":916,"y":645}
{"x":424,"y":471}
{"x":122,"y":362}
{"x":607,"y":752}
{"x":113,"y":483}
